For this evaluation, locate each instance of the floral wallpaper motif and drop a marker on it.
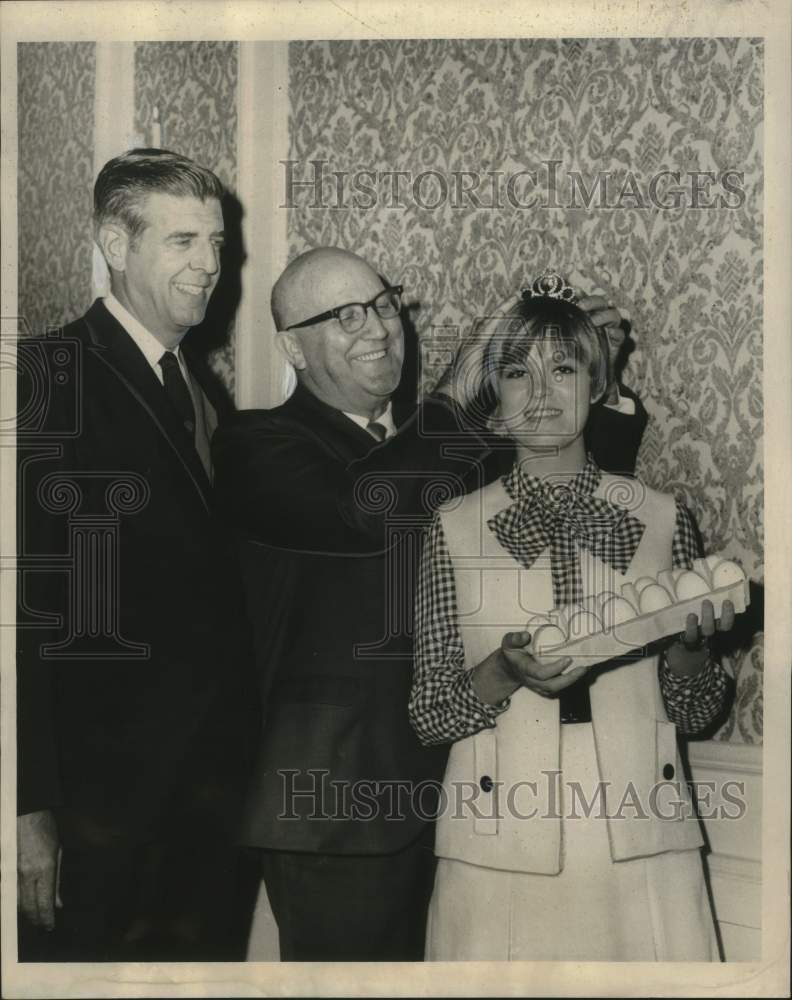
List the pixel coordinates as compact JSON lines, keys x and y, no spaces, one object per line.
{"x":55,"y":178}
{"x":747,"y":666}
{"x":463,"y":168}
{"x":193,"y":86}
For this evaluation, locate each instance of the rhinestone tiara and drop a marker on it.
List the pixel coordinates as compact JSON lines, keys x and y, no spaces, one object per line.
{"x":550,"y":285}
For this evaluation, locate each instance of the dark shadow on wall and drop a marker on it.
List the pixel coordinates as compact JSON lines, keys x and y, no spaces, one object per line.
{"x":406,"y":395}
{"x":214,"y":333}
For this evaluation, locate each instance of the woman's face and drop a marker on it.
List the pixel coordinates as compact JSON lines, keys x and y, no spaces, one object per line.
{"x":544,"y":396}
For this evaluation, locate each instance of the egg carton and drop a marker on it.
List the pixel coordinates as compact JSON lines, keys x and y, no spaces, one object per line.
{"x":611,"y":625}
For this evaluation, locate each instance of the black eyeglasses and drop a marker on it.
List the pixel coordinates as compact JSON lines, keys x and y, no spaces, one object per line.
{"x":352,"y":316}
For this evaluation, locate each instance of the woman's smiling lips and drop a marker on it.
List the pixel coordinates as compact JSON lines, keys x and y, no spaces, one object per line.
{"x":543,"y":414}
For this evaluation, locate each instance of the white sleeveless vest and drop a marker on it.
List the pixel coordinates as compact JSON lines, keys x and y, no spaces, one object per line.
{"x":516,"y":825}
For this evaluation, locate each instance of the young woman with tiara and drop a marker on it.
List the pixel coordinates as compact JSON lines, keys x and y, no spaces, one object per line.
{"x":566,"y":830}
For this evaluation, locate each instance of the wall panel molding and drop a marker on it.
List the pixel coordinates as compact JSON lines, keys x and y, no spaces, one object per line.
{"x":114,"y":116}
{"x":262,"y":378}
{"x":734,"y":863}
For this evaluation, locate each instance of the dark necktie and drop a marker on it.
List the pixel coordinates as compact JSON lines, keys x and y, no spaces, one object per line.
{"x":176,"y":390}
{"x":378,"y":431}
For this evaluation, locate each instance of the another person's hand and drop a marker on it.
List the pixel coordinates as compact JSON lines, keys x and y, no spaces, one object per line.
{"x":462,"y":380}
{"x":37,"y":867}
{"x":687,"y":655}
{"x":602,"y":313}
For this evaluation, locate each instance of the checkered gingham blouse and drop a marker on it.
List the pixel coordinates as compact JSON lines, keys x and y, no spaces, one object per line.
{"x":444,"y":706}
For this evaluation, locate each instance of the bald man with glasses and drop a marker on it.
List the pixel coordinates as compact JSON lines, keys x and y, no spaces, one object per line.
{"x":329,"y":493}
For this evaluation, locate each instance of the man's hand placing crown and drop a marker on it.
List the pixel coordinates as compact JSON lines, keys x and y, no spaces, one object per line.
{"x":602,"y":313}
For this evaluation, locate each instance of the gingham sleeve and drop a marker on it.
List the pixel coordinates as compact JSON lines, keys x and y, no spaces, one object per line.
{"x":444,"y":706}
{"x":685,"y":545}
{"x":691,"y":703}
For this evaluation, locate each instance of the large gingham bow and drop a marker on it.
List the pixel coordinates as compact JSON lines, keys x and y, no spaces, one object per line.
{"x":565,"y":516}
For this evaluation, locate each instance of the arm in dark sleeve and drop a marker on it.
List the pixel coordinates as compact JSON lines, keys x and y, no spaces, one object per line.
{"x":614,"y":438}
{"x":278,"y":481}
{"x":38,"y":775}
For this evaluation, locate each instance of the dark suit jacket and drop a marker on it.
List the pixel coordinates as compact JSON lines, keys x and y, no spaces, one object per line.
{"x":124,"y":746}
{"x":330,"y":528}
{"x":613,"y":437}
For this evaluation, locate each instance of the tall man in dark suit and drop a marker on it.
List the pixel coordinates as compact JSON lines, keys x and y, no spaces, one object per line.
{"x":331,"y":518}
{"x":134,"y":716}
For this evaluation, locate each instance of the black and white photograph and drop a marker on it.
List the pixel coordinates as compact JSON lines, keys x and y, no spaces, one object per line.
{"x":395,"y":442}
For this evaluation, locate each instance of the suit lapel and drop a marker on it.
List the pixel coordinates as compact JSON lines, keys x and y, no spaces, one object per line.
{"x":348,"y":439}
{"x":114,"y":348}
{"x":202,"y":383}
{"x":205,"y":382}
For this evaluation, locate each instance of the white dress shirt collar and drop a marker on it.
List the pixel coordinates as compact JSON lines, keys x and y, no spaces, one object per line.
{"x":622,"y":404}
{"x":150,"y":347}
{"x":385,"y":418}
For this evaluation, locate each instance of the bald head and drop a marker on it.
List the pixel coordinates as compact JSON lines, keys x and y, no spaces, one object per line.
{"x":290,"y":291}
{"x":357,"y":372}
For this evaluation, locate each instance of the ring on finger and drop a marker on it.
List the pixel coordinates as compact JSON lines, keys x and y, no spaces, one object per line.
{"x":693,"y":647}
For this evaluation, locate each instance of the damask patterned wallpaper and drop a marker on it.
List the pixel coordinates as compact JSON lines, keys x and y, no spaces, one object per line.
{"x":193,"y":86}
{"x":56,"y":121}
{"x":463,"y":168}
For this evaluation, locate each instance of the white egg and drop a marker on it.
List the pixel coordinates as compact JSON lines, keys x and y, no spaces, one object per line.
{"x":592,"y":605}
{"x":630,"y":594}
{"x":700,"y":566}
{"x":727,"y":573}
{"x":643,"y":582}
{"x":583,"y":623}
{"x":713,"y":560}
{"x":617,"y":610}
{"x":690,"y":585}
{"x":602,"y":600}
{"x":546,"y":638}
{"x":536,"y":621}
{"x":654,"y":598}
{"x":666,"y":579}
{"x":565,"y":615}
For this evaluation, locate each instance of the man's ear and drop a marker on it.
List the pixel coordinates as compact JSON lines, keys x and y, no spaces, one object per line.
{"x":290,"y":349}
{"x":114,"y":243}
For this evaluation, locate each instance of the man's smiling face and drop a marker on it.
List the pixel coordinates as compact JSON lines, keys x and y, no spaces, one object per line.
{"x":172,"y":267}
{"x":355,"y":372}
